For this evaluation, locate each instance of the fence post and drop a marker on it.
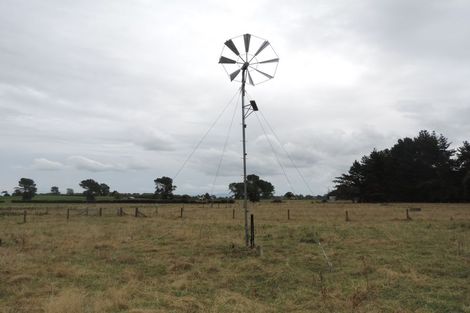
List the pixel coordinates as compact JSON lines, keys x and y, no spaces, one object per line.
{"x":288,"y":214}
{"x":24,"y":216}
{"x":68,"y":214}
{"x":136,"y":212}
{"x":101,"y":212}
{"x":181,"y":214}
{"x":347,"y":216}
{"x":252,"y":239}
{"x":407,"y":215}
{"x":233,"y":213}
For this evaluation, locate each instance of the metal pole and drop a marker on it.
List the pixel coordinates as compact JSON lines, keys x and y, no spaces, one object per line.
{"x":245,"y":193}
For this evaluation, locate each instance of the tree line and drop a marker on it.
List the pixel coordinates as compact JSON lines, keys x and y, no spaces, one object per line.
{"x":419,"y":169}
{"x":164,"y":190}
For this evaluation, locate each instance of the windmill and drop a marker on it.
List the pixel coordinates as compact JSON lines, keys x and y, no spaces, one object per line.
{"x":254,"y":66}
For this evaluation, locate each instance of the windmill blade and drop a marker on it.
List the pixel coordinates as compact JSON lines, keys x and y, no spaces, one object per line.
{"x":224,"y":60}
{"x":247,"y":38}
{"x":263,"y":45}
{"x":267,"y":75}
{"x":250,"y":80}
{"x":234,"y":74}
{"x":268,"y":61}
{"x":229,"y":43}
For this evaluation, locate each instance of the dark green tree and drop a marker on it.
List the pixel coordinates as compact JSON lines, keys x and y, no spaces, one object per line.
{"x":256,"y":189}
{"x":116,"y":195}
{"x":92,"y":189}
{"x":104,"y":190}
{"x":351,"y":184}
{"x":55,"y":190}
{"x":164,"y":187}
{"x":463,"y":168}
{"x":422,"y":168}
{"x":236,"y":189}
{"x":289,"y":195}
{"x":26,"y":188}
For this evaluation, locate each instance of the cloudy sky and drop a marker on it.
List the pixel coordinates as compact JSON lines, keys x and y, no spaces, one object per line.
{"x":122,"y":91}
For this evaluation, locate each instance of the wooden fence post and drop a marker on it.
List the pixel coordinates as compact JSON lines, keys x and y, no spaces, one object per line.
{"x":347,"y":216}
{"x":252,"y":239}
{"x":24,"y":216}
{"x":68,"y":214}
{"x":136,"y":212}
{"x":181,"y":214}
{"x":407,"y":215}
{"x":233,"y":213}
{"x":288,"y":214}
{"x":101,"y":212}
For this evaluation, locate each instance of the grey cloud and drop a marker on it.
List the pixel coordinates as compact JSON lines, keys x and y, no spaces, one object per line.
{"x":429,"y":29}
{"x":152,"y":139}
{"x":44,"y":164}
{"x":125,"y":87}
{"x":83,"y":163}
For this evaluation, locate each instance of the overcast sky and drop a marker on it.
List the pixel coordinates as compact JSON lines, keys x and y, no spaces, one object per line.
{"x":122,"y":91}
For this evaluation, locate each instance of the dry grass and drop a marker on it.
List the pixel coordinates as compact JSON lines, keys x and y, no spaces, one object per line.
{"x":162,"y":263}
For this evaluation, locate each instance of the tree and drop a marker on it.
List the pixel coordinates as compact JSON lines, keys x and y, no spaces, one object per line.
{"x":116,"y":195}
{"x":236,"y":189}
{"x":69,"y":192}
{"x":289,"y":195}
{"x":463,"y":168}
{"x":27,"y":188}
{"x":104,"y":190}
{"x":164,"y":187}
{"x":92,"y":189}
{"x":5,"y":193}
{"x":414,"y":169}
{"x":55,"y":190}
{"x":256,"y":189}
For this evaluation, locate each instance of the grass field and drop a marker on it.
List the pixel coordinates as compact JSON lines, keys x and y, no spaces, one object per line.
{"x":381,"y":262}
{"x":58,"y":198}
